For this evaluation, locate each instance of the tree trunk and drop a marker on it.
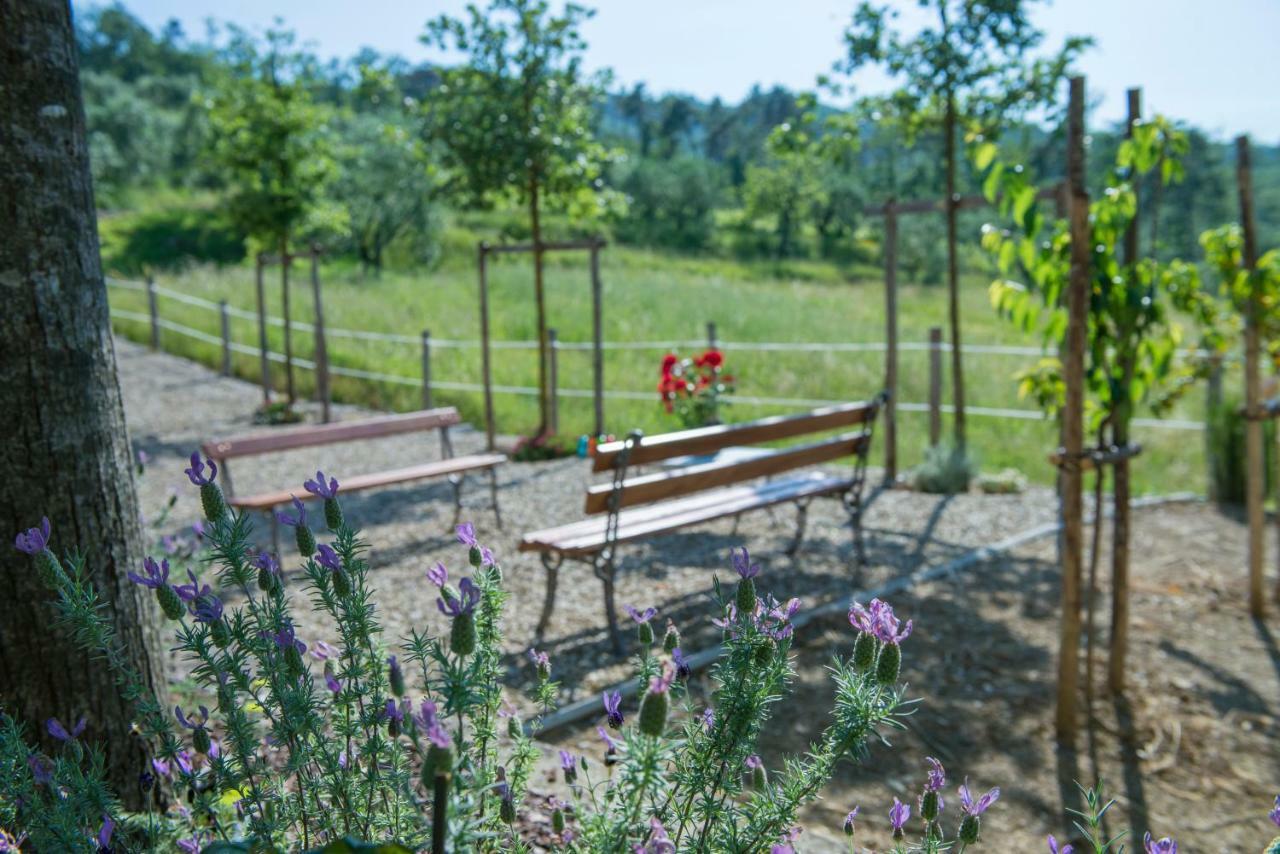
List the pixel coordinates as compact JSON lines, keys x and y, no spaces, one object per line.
{"x":66,"y":453}
{"x":540,"y":297}
{"x":285,"y":260}
{"x":953,"y":272}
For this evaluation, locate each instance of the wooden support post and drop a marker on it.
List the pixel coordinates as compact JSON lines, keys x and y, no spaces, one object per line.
{"x":426,"y":369}
{"x":224,"y":324}
{"x":263,"y":358}
{"x":553,"y":382}
{"x":891,"y":342}
{"x":285,"y":260}
{"x":153,"y":309}
{"x":1120,"y":473}
{"x":935,"y":386}
{"x":322,"y":348}
{"x":1066,"y":721}
{"x":1255,"y":474}
{"x":485,"y":368}
{"x":597,"y":338}
{"x":711,"y":335}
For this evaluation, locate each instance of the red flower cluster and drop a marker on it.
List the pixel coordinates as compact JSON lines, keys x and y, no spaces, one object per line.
{"x":693,"y":380}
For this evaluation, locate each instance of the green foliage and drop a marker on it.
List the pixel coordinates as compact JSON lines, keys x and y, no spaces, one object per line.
{"x":515,"y":120}
{"x":268,"y":137}
{"x":170,"y":232}
{"x":670,"y":203}
{"x":1225,"y":427}
{"x":947,"y":470}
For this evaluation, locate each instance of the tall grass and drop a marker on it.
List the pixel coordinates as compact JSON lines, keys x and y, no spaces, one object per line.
{"x":650,"y":296}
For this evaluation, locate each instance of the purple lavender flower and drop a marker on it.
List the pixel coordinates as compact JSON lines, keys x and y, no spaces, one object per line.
{"x":937,"y":775}
{"x":287,"y":638}
{"x":1274,"y":815}
{"x":207,"y":608}
{"x":183,"y":760}
{"x":428,"y":720}
{"x":192,"y":722}
{"x":1054,"y":849}
{"x":683,"y":670}
{"x":486,"y":557}
{"x":742,"y":564}
{"x":322,"y":651}
{"x":196,"y":472}
{"x":659,"y":842}
{"x":782,"y":848}
{"x":611,"y":744}
{"x":640,"y":616}
{"x":469,"y":598}
{"x":467,"y":535}
{"x":569,"y":764}
{"x":34,"y":540}
{"x":320,"y":487}
{"x":299,"y":519}
{"x":784,"y":612}
{"x":753,"y":762}
{"x":611,"y":710}
{"x":266,"y":562}
{"x":899,"y":813}
{"x":879,"y":620}
{"x":848,"y":821}
{"x":1158,"y":846}
{"x":160,"y":767}
{"x":975,"y":808}
{"x":438,"y":575}
{"x":104,"y":833}
{"x":58,"y":731}
{"x":541,"y":662}
{"x":708,"y":718}
{"x":331,"y":682}
{"x":661,"y":683}
{"x":157,"y":574}
{"x":328,"y":558}
{"x":41,"y":769}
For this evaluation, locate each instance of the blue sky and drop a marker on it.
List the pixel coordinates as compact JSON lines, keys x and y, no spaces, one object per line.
{"x":1212,"y":62}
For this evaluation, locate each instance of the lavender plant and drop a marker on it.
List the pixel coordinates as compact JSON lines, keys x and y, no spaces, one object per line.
{"x":297,"y":743}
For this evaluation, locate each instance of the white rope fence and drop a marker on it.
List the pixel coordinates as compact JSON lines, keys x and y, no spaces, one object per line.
{"x":444,"y":385}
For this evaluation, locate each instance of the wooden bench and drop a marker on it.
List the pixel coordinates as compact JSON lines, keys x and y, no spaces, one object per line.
{"x":222,"y":451}
{"x":634,"y":506}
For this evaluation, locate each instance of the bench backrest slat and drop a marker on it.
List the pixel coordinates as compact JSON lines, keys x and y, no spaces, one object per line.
{"x":697,"y":478}
{"x":706,"y":440}
{"x":326,"y":434}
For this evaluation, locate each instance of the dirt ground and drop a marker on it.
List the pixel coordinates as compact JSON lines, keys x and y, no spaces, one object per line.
{"x":1192,"y":751}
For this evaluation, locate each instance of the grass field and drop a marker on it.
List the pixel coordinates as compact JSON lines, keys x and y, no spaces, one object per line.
{"x":652,"y":296}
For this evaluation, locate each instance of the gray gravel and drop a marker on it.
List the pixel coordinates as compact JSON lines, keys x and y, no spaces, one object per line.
{"x":173,"y":405}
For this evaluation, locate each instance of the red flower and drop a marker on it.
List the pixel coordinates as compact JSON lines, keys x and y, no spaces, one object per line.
{"x":669,"y":361}
{"x":710,"y":359}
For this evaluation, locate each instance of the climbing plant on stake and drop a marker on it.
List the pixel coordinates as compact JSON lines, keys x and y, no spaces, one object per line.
{"x":1133,"y":336}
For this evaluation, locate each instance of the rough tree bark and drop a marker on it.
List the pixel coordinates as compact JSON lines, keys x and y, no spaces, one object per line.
{"x":65,"y":452}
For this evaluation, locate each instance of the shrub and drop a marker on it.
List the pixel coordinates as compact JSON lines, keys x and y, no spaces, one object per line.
{"x":1007,"y":481}
{"x":317,"y":745}
{"x":947,"y":470}
{"x":1225,"y":436}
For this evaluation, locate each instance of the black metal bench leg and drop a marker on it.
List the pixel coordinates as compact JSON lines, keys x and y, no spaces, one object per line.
{"x":552,"y":565}
{"x":606,"y":573}
{"x":493,"y":495}
{"x":802,"y":518}
{"x":456,"y":482}
{"x":859,"y":543}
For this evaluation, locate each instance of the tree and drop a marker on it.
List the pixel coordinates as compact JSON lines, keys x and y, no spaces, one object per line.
{"x":267,"y":135}
{"x":970,"y":68}
{"x":515,"y":121}
{"x":66,"y":452}
{"x":670,"y":203}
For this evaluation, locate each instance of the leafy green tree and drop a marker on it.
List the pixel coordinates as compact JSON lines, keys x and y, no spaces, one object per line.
{"x":670,"y":203}
{"x":1136,"y":309}
{"x":269,"y":138}
{"x":515,"y":121}
{"x":971,"y":67}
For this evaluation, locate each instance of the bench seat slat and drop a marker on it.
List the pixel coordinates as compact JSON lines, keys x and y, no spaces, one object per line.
{"x":705,"y":440}
{"x":585,"y":538}
{"x":696,"y":478}
{"x":437,"y":468}
{"x":312,"y":435}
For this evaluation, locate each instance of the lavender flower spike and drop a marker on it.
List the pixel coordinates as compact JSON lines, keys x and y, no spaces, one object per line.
{"x":848,"y":821}
{"x":745,"y":595}
{"x":640,"y":616}
{"x":899,"y":814}
{"x":196,"y":472}
{"x":1274,"y":815}
{"x":320,"y":487}
{"x":937,"y":775}
{"x":467,"y":535}
{"x":438,"y":574}
{"x":1159,"y":846}
{"x":978,"y":807}
{"x":58,"y":731}
{"x":34,"y":540}
{"x":157,"y":574}
{"x":211,"y":500}
{"x":611,"y":708}
{"x":295,"y":521}
{"x":466,"y":603}
{"x":742,"y":564}
{"x":1055,"y":849}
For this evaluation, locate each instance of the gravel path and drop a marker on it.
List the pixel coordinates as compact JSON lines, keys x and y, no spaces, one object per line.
{"x":172,"y":405}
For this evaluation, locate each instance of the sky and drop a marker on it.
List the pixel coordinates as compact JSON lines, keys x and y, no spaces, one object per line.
{"x":1214,"y":63}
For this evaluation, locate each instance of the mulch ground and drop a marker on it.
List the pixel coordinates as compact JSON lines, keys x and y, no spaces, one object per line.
{"x":1192,"y":750}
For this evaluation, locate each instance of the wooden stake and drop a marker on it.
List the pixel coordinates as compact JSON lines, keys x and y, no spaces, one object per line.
{"x":153,"y":309}
{"x":891,"y":345}
{"x":1120,"y":484}
{"x":485,"y":367}
{"x":426,"y":369}
{"x":322,"y":348}
{"x":935,"y":386}
{"x":597,"y":337}
{"x":263,"y":358}
{"x":1066,"y":722}
{"x":711,"y":335}
{"x":553,"y":382}
{"x":953,"y":275}
{"x":285,"y":260}
{"x":1255,"y":473}
{"x":224,"y":318}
